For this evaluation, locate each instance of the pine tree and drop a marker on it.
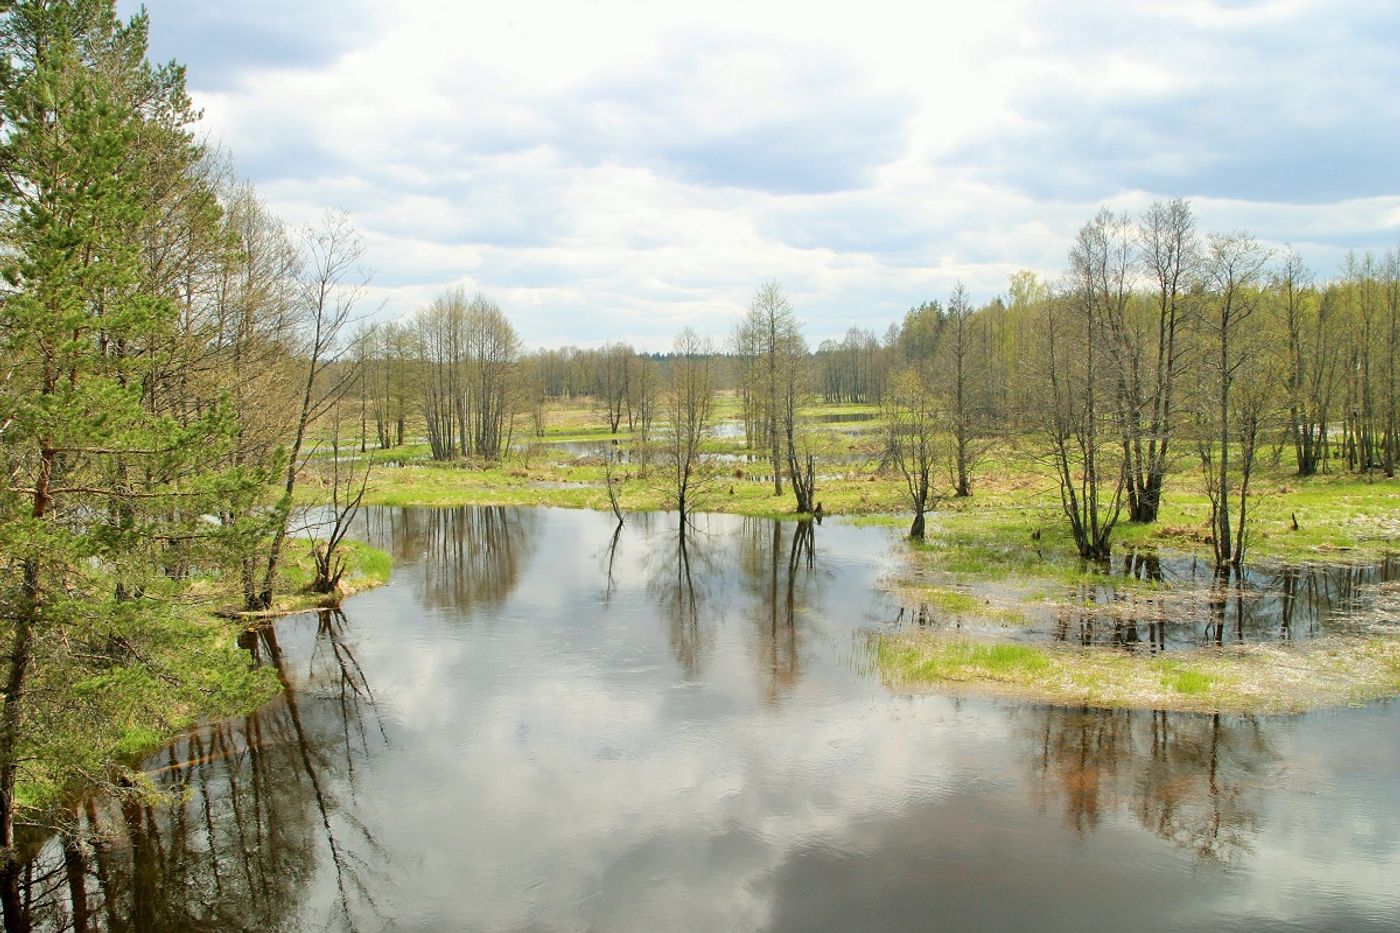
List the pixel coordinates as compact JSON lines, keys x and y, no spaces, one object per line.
{"x":103,"y":509}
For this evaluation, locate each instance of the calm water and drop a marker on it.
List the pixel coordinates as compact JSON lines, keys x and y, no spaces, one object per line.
{"x":1184,"y":604}
{"x":538,"y":726}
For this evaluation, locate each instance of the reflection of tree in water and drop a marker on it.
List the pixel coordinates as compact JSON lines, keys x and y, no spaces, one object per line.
{"x":609,"y":561}
{"x":258,"y":802}
{"x":471,"y":555}
{"x":1186,"y":778}
{"x":776,"y":560}
{"x":679,"y":572}
{"x":1184,"y":603}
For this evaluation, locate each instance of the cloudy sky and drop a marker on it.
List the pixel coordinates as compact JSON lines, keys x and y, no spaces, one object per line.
{"x":618,"y":170}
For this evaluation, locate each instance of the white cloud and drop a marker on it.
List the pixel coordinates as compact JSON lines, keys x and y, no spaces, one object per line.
{"x":618,"y":169}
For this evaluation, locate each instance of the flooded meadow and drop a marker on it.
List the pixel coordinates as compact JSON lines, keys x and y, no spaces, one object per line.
{"x":547,"y":722}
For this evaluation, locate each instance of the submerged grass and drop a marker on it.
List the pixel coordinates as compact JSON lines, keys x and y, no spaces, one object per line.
{"x":1246,"y":679}
{"x":956,"y":602}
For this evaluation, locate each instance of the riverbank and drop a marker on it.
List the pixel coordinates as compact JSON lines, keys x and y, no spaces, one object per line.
{"x":190,"y":668}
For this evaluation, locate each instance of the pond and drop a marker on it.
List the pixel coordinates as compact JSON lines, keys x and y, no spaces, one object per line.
{"x":542,"y":724}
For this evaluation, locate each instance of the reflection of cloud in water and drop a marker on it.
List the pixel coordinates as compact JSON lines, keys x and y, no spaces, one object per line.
{"x":561,"y":763}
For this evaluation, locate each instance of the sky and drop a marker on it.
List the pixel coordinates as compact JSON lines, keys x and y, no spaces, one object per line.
{"x":621,"y":170}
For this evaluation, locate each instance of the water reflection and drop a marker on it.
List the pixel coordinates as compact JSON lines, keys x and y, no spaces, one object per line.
{"x":778,"y":563}
{"x":257,"y":813}
{"x":467,"y":556}
{"x":1192,"y":780}
{"x":682,"y":572}
{"x":672,"y":733}
{"x":1151,"y":603}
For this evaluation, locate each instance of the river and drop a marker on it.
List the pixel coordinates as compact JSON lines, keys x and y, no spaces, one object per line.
{"x":544,"y":725}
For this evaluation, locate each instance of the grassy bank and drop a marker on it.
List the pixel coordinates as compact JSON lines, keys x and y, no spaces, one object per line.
{"x":1002,"y":558}
{"x":366,"y":568}
{"x":1244,"y":679}
{"x":1011,"y":524}
{"x":189,"y":668}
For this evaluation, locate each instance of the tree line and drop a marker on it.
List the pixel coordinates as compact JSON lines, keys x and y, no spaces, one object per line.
{"x":1158,"y":345}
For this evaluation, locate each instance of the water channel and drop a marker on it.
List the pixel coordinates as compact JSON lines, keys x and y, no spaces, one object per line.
{"x":542,"y":724}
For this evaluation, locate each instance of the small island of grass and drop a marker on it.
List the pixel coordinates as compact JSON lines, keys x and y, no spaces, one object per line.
{"x":1237,"y":679}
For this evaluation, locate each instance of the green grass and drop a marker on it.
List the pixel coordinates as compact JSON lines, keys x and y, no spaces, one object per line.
{"x":963,"y":660}
{"x":954,"y":601}
{"x":1001,"y":555}
{"x":1191,"y":682}
{"x":1249,"y":679}
{"x":366,"y":568}
{"x":190,"y":668}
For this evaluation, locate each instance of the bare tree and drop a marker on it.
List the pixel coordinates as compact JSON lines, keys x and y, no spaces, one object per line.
{"x":852,"y":370}
{"x":331,"y":290}
{"x":1390,"y":451}
{"x":348,"y":480}
{"x":1364,"y":291}
{"x":470,"y":354}
{"x":645,"y":392}
{"x":1169,"y":255}
{"x":690,"y":404}
{"x":962,"y":377}
{"x":799,"y":445}
{"x":1309,"y":368}
{"x":387,"y":375}
{"x":912,"y":423}
{"x":614,"y":383}
{"x":534,"y":394}
{"x":439,"y":331}
{"x":1078,"y":387}
{"x":768,"y":341}
{"x":493,"y":350}
{"x":1234,"y":264}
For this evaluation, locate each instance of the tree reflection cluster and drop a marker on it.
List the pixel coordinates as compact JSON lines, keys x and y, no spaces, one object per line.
{"x":249,"y":813}
{"x":1189,"y":779}
{"x":1145,"y":602}
{"x":776,"y":563}
{"x":469,"y":556}
{"x":1176,"y":606}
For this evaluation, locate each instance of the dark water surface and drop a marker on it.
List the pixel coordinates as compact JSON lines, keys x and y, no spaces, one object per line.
{"x":537,"y":726}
